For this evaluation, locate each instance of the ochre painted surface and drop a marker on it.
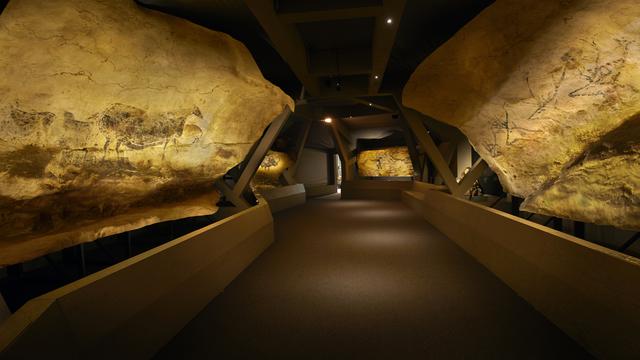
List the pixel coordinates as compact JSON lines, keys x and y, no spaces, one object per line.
{"x":393,"y":161}
{"x":270,"y":170}
{"x":543,"y":90}
{"x":113,"y":117}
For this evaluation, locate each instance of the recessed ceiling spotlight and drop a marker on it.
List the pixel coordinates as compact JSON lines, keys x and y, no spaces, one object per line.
{"x":376,"y":77}
{"x":389,"y":21}
{"x":328,"y":120}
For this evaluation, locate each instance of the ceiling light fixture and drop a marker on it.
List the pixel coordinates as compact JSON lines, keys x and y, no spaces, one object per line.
{"x":376,"y":77}
{"x":328,"y":120}
{"x":389,"y":21}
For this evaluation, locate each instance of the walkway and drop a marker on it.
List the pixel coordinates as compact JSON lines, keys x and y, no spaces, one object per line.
{"x":365,"y":279}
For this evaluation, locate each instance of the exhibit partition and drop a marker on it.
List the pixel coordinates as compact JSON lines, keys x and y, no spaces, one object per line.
{"x":588,"y":291}
{"x":374,"y":189}
{"x":132,"y":309}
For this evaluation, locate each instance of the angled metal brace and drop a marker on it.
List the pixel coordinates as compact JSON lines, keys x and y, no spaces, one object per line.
{"x":476,"y":171}
{"x":235,"y":192}
{"x":627,"y":244}
{"x":432,"y":151}
{"x":288,"y":176}
{"x":340,"y":135}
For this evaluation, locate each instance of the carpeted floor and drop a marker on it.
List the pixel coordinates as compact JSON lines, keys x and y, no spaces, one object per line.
{"x":366,"y":279}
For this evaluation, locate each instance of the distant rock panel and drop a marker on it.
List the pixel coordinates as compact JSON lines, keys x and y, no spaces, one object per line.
{"x":388,"y":162}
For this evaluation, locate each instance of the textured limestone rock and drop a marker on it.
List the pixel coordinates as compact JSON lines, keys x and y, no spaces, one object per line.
{"x":113,"y":117}
{"x":270,"y":170}
{"x":393,"y":161}
{"x":535,"y":85}
{"x":601,"y":185}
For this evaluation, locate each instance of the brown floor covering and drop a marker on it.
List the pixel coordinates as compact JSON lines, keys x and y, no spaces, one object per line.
{"x":367,"y":279}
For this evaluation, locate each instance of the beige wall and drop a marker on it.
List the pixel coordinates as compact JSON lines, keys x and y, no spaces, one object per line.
{"x":285,"y":197}
{"x":374,"y":189}
{"x":589,"y":291}
{"x":320,"y":190}
{"x":312,"y":169}
{"x":133,"y":308}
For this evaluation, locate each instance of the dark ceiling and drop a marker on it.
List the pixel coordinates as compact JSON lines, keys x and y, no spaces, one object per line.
{"x":424,"y":25}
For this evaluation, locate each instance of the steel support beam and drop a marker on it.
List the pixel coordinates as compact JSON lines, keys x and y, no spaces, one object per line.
{"x":301,"y":142}
{"x":250,"y":167}
{"x":288,"y":176}
{"x":470,"y":178}
{"x":427,"y":144}
{"x":286,"y":41}
{"x":627,"y":244}
{"x":227,"y":191}
{"x":234,"y":192}
{"x":448,"y":151}
{"x":441,"y":162}
{"x":341,"y":138}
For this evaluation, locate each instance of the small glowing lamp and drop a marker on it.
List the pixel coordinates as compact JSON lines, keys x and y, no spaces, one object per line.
{"x":389,"y":21}
{"x":328,"y":120}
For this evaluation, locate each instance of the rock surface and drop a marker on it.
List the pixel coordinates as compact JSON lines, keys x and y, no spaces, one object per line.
{"x":393,"y":161}
{"x":607,"y":176}
{"x":114,"y":117}
{"x":268,"y":174}
{"x":537,"y":85}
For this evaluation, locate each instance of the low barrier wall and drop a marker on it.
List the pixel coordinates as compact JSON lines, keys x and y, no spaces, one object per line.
{"x":590,"y":292}
{"x":374,"y":189}
{"x":132,"y":309}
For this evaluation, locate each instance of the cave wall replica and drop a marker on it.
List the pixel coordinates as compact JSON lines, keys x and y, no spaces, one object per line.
{"x":387,"y":162}
{"x":114,"y":117}
{"x":268,"y":174}
{"x":548,"y":93}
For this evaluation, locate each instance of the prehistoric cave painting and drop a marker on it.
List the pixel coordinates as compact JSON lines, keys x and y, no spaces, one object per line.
{"x":119,"y":125}
{"x":113,"y":118}
{"x":600,"y":80}
{"x":544,"y":87}
{"x":270,"y":161}
{"x":392,"y":162}
{"x":22,"y":124}
{"x":603,"y":79}
{"x":271,"y":169}
{"x":134,"y":128}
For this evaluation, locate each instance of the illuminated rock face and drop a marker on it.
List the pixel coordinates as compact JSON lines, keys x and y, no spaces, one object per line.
{"x":270,"y":170}
{"x":113,"y":117}
{"x":601,"y":185}
{"x":393,"y":161}
{"x":536,"y":91}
